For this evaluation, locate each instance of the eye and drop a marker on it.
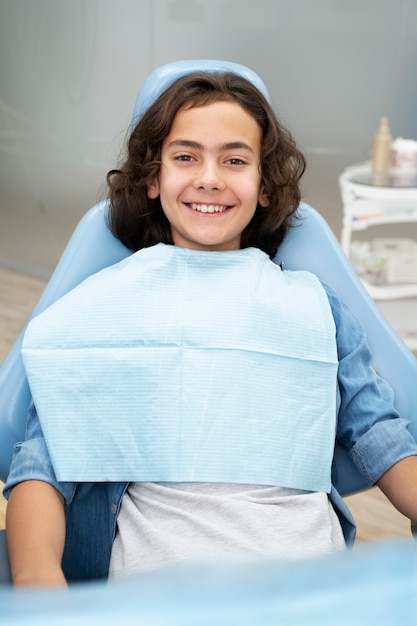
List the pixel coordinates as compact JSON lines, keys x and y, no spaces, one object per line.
{"x":235,"y":161}
{"x":184,"y":158}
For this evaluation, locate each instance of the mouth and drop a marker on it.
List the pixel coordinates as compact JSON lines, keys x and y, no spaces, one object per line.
{"x":208,"y":208}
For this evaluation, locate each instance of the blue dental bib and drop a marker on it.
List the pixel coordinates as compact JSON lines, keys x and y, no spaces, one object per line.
{"x":178,"y":365}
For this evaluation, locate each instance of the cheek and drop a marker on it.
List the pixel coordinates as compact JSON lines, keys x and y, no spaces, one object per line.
{"x":170,"y":183}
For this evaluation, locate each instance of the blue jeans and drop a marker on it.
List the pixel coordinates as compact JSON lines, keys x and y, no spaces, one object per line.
{"x":5,"y":576}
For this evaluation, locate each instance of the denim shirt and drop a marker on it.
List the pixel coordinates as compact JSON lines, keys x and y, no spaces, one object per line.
{"x":368,"y":426}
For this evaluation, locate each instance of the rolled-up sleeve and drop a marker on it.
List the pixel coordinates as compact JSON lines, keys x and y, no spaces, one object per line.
{"x":31,"y":460}
{"x":386,"y":443}
{"x":369,"y":425}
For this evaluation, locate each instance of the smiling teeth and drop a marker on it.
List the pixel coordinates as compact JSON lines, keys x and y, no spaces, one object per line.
{"x":208,"y":208}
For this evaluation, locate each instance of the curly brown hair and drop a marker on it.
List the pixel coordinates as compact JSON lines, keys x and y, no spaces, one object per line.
{"x":139,"y":222}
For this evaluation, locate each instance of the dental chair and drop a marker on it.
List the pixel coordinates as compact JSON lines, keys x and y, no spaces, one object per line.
{"x":310,"y":245}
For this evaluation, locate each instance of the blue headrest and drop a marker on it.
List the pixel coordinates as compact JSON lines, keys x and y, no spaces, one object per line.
{"x":163,"y":77}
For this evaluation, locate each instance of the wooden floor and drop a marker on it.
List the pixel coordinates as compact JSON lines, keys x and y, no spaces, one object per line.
{"x":375,"y":516}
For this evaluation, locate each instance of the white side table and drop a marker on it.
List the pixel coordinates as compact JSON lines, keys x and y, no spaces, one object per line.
{"x":367,"y":204}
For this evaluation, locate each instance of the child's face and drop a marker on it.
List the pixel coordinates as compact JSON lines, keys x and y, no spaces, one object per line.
{"x":210,"y":180}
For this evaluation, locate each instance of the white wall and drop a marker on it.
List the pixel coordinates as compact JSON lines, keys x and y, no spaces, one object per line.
{"x":70,"y":70}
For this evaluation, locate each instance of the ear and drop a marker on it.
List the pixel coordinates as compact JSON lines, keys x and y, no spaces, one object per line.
{"x":263,"y":197}
{"x":153,"y":188}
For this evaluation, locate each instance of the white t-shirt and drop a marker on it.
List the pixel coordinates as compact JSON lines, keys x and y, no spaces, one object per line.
{"x":165,"y":523}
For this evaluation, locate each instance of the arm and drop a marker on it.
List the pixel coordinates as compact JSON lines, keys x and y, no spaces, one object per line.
{"x":399,"y":484}
{"x":369,"y":425}
{"x":35,"y":528}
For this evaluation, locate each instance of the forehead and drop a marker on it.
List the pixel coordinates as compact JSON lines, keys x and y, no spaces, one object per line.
{"x":218,"y":119}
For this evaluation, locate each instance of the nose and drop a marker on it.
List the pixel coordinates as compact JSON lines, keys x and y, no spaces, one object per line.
{"x":209,"y":176}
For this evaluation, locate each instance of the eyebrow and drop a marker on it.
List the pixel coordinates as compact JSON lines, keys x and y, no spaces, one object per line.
{"x":232,"y":145}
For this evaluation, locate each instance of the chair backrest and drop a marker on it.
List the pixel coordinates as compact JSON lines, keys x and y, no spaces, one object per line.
{"x":309,"y":245}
